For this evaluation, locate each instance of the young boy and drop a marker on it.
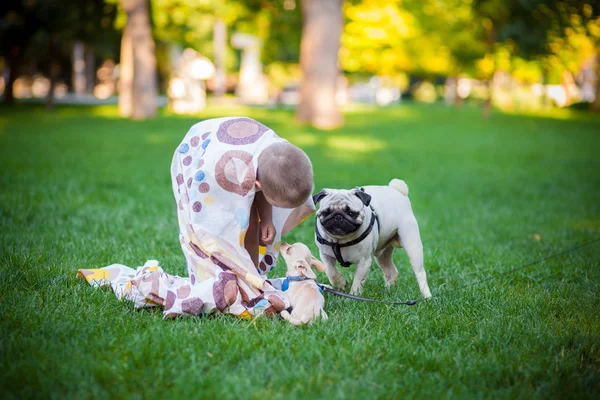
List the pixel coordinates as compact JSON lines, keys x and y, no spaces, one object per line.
{"x":284,"y":178}
{"x":232,"y":178}
{"x":237,"y":181}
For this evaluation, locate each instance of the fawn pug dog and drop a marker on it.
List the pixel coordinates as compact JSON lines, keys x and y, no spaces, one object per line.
{"x":305,"y":297}
{"x":352,"y":226}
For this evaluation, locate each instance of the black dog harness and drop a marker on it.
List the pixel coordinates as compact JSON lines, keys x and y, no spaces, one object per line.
{"x":337,"y":246}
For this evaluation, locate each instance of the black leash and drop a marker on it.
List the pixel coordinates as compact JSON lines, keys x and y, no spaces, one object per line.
{"x":353,"y":297}
{"x":413,"y":302}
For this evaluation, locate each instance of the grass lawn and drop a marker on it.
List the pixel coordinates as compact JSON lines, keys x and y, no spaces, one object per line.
{"x":80,"y":187}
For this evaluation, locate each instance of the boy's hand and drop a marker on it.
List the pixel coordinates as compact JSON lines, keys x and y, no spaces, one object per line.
{"x":267,"y":232}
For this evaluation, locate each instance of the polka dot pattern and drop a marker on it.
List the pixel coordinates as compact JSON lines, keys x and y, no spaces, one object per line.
{"x":213,"y":175}
{"x":199,"y":176}
{"x":276,"y":302}
{"x":268,"y":259}
{"x":224,"y":290}
{"x":211,"y":171}
{"x":204,"y":187}
{"x":197,"y":207}
{"x":209,"y":199}
{"x":184,"y":148}
{"x":184,"y":291}
{"x":170,"y":300}
{"x":171,"y":315}
{"x":242,"y":218}
{"x":262,"y":267}
{"x":240,"y":131}
{"x":192,"y":306}
{"x":235,"y":173}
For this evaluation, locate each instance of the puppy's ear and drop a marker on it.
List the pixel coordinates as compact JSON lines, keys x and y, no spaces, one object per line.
{"x":364,"y":197}
{"x":317,"y":197}
{"x":317,"y":264}
{"x":305,"y":270}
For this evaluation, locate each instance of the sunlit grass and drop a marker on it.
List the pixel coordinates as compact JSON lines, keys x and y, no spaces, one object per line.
{"x":361,"y":145}
{"x":80,"y":187}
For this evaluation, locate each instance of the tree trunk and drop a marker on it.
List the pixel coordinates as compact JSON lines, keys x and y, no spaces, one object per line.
{"x":220,"y":43}
{"x":458,"y":101}
{"x":126,"y":75}
{"x":90,"y":69}
{"x":144,"y":99}
{"x":54,"y":70}
{"x":79,"y":83}
{"x":595,"y":106}
{"x":487,"y":103}
{"x":567,"y":82}
{"x":322,"y":28}
{"x":15,"y":58}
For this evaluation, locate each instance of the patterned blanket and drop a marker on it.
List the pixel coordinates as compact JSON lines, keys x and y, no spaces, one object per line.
{"x":213,"y":175}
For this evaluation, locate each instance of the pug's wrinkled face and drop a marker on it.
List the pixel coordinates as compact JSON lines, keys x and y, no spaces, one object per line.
{"x":342,"y":211}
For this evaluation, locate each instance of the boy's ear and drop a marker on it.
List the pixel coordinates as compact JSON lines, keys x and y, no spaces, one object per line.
{"x":317,"y":264}
{"x":317,"y":197}
{"x":305,"y":270}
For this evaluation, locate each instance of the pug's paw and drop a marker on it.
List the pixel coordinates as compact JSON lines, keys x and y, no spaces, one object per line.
{"x":356,"y":290}
{"x":339,"y":283}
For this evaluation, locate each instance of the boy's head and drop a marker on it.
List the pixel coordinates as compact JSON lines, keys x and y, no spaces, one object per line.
{"x":285,"y":175}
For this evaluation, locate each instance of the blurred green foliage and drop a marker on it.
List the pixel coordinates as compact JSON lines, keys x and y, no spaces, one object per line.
{"x":533,"y":40}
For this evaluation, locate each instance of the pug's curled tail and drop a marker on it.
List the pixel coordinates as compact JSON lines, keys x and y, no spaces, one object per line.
{"x":399,"y":186}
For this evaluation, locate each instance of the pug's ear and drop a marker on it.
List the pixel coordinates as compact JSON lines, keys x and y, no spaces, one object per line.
{"x":317,"y":197}
{"x":364,"y":197}
{"x":317,"y":264}
{"x":305,"y":270}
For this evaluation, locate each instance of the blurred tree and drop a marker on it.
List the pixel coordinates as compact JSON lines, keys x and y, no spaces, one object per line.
{"x":426,"y":38}
{"x":282,"y":44}
{"x":138,"y":91}
{"x":45,"y":30}
{"x":17,"y":27}
{"x":322,"y":27}
{"x":564,"y":32}
{"x":191,"y":23}
{"x":493,"y":14}
{"x":376,"y":38}
{"x":450,"y":29}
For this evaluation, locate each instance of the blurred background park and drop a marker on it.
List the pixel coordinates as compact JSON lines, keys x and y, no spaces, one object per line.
{"x":484,"y":107}
{"x":317,"y":56}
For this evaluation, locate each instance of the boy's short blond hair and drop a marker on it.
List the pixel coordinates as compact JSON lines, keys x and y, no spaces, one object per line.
{"x":285,"y":174}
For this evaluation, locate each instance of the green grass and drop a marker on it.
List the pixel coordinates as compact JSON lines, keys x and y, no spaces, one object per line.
{"x":82,"y":188}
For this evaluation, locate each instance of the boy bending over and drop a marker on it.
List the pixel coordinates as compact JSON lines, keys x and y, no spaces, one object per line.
{"x":284,"y":179}
{"x":239,"y":182}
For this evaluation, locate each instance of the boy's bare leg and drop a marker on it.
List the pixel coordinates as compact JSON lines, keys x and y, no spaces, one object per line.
{"x":251,"y":239}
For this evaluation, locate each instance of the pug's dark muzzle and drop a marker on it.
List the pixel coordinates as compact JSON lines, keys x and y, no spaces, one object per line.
{"x":339,"y":224}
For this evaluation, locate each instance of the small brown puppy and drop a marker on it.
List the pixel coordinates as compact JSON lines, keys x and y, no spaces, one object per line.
{"x":305,"y":297}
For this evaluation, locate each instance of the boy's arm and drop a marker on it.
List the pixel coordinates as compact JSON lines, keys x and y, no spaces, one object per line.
{"x":265,"y":209}
{"x":265,"y":213}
